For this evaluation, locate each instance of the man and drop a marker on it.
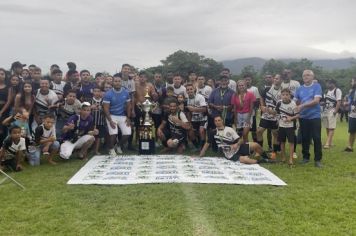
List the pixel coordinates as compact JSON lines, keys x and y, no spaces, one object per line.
{"x":352,"y":116}
{"x":174,"y":136}
{"x":117,"y":110}
{"x":46,"y":102}
{"x":86,"y":86}
{"x":169,"y":79}
{"x":16,"y":68}
{"x":254,"y":90}
{"x":78,"y":133}
{"x":192,"y":79}
{"x":288,"y":83}
{"x":331,"y":106}
{"x":36,"y":77}
{"x":142,"y":87}
{"x":268,"y":118}
{"x":73,"y":83}
{"x":57,"y":84}
{"x":232,"y":84}
{"x":308,"y":98}
{"x":220,"y":102}
{"x":203,"y":89}
{"x":197,"y":106}
{"x":230,"y":144}
{"x":268,"y":79}
{"x":178,"y":87}
{"x":161,"y":92}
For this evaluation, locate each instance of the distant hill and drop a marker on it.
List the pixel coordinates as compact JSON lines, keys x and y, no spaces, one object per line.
{"x":236,"y":65}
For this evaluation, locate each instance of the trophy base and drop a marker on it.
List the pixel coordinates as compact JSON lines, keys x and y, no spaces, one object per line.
{"x":146,"y":147}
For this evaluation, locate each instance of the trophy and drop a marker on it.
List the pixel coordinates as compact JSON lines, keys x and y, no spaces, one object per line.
{"x":146,"y":140}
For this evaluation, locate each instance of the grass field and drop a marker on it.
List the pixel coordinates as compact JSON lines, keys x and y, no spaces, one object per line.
{"x":315,"y":202}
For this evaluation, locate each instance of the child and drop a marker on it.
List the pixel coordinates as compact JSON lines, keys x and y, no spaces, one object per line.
{"x":13,"y":149}
{"x":20,"y":119}
{"x":97,"y":113}
{"x":45,"y":137}
{"x":286,"y":111}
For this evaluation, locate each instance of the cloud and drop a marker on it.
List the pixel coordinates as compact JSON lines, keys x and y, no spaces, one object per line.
{"x":101,"y":35}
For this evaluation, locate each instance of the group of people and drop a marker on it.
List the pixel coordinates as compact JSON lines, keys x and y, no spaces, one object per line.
{"x":43,"y":115}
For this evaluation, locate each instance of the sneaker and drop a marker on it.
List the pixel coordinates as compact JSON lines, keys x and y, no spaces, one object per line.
{"x":348,"y":149}
{"x":295,"y":155}
{"x":304,"y":161}
{"x":112,"y":152}
{"x":326,"y":146}
{"x":317,"y":164}
{"x":118,"y":150}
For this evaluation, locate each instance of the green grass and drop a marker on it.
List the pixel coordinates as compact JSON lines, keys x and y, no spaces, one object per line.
{"x":315,"y":202}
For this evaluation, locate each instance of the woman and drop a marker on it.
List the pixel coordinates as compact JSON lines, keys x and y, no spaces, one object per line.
{"x":243,"y":102}
{"x":25,"y":98}
{"x":12,"y":91}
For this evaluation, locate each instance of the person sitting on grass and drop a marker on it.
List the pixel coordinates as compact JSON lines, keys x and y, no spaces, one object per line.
{"x":78,"y":133}
{"x":287,"y":115}
{"x":174,"y":137}
{"x":233,"y":147}
{"x":13,"y":150}
{"x":45,"y":137}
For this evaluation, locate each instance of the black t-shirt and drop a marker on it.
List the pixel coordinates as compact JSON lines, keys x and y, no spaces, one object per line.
{"x":174,"y":128}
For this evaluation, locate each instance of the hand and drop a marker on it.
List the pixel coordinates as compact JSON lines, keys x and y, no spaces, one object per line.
{"x":160,"y":133}
{"x":95,"y":132}
{"x":71,"y":126}
{"x":113,"y":124}
{"x":289,"y":119}
{"x":52,"y":139}
{"x":128,"y":122}
{"x":298,"y":108}
{"x":263,"y":109}
{"x":175,"y":119}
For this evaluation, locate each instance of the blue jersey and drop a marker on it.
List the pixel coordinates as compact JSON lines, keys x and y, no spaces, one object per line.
{"x":306,"y":94}
{"x":117,"y":100}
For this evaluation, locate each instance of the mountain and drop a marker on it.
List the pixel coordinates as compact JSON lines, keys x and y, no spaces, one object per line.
{"x":237,"y":65}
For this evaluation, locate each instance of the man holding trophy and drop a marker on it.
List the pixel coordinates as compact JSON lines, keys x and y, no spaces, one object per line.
{"x":229,"y":142}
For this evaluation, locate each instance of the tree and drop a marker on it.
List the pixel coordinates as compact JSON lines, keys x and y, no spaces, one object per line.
{"x":273,"y":67}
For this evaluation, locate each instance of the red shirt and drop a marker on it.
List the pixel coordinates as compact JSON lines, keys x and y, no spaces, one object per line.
{"x":247,"y":99}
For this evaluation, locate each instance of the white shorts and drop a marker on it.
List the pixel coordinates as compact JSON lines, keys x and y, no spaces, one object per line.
{"x":329,"y":120}
{"x":68,"y":147}
{"x":121,"y":122}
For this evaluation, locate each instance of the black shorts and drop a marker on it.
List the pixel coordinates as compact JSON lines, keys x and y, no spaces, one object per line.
{"x":286,"y":134}
{"x":243,"y":151}
{"x":254,"y":124}
{"x":268,"y":124}
{"x":102,"y":131}
{"x":352,"y":125}
{"x":197,"y":124}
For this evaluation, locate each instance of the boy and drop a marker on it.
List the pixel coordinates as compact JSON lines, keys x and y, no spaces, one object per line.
{"x":13,"y":149}
{"x":286,"y":112}
{"x":99,"y":118}
{"x":57,"y":85}
{"x":45,"y":137}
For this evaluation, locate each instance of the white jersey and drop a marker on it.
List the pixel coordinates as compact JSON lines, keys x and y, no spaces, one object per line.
{"x":283,"y":111}
{"x":257,"y":94}
{"x":58,"y":88}
{"x":205,"y":91}
{"x":180,"y":90}
{"x":129,"y":85}
{"x":273,"y":95}
{"x":232,"y":85}
{"x":197,"y":101}
{"x":43,"y":101}
{"x":331,"y":98}
{"x":292,"y":85}
{"x":224,"y":139}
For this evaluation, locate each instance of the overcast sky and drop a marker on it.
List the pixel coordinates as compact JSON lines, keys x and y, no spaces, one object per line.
{"x":102,"y":35}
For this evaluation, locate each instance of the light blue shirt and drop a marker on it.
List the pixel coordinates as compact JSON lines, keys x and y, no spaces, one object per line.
{"x":306,"y":94}
{"x":117,"y":100}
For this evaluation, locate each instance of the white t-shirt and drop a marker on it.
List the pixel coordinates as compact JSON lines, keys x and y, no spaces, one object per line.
{"x":44,"y":101}
{"x":331,"y":98}
{"x":232,"y":85}
{"x":292,"y":85}
{"x":257,"y":94}
{"x":205,"y":91}
{"x":180,"y":90}
{"x":58,"y":88}
{"x":197,"y":101}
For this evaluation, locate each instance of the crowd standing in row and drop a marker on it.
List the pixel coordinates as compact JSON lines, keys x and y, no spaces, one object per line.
{"x":43,"y":115}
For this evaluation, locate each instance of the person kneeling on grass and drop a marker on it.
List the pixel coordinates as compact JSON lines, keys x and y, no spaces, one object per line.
{"x":45,"y":137}
{"x":175,"y":135}
{"x":78,"y":133}
{"x":229,"y":142}
{"x":13,"y":150}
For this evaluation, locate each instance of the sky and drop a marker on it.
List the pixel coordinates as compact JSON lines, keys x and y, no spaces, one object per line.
{"x":102,"y":35}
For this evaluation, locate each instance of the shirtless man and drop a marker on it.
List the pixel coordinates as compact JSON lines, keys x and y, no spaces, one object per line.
{"x":142,"y":86}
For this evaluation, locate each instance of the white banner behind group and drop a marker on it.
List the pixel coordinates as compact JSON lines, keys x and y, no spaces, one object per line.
{"x":170,"y":169}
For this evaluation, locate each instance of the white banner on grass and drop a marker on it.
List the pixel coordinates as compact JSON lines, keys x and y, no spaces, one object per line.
{"x":145,"y":169}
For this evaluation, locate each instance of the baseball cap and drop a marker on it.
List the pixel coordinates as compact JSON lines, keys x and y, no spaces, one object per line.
{"x":85,"y":104}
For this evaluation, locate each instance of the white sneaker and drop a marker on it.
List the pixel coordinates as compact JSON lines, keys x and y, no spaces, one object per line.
{"x":112,"y":153}
{"x":295,"y":156}
{"x":118,"y":150}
